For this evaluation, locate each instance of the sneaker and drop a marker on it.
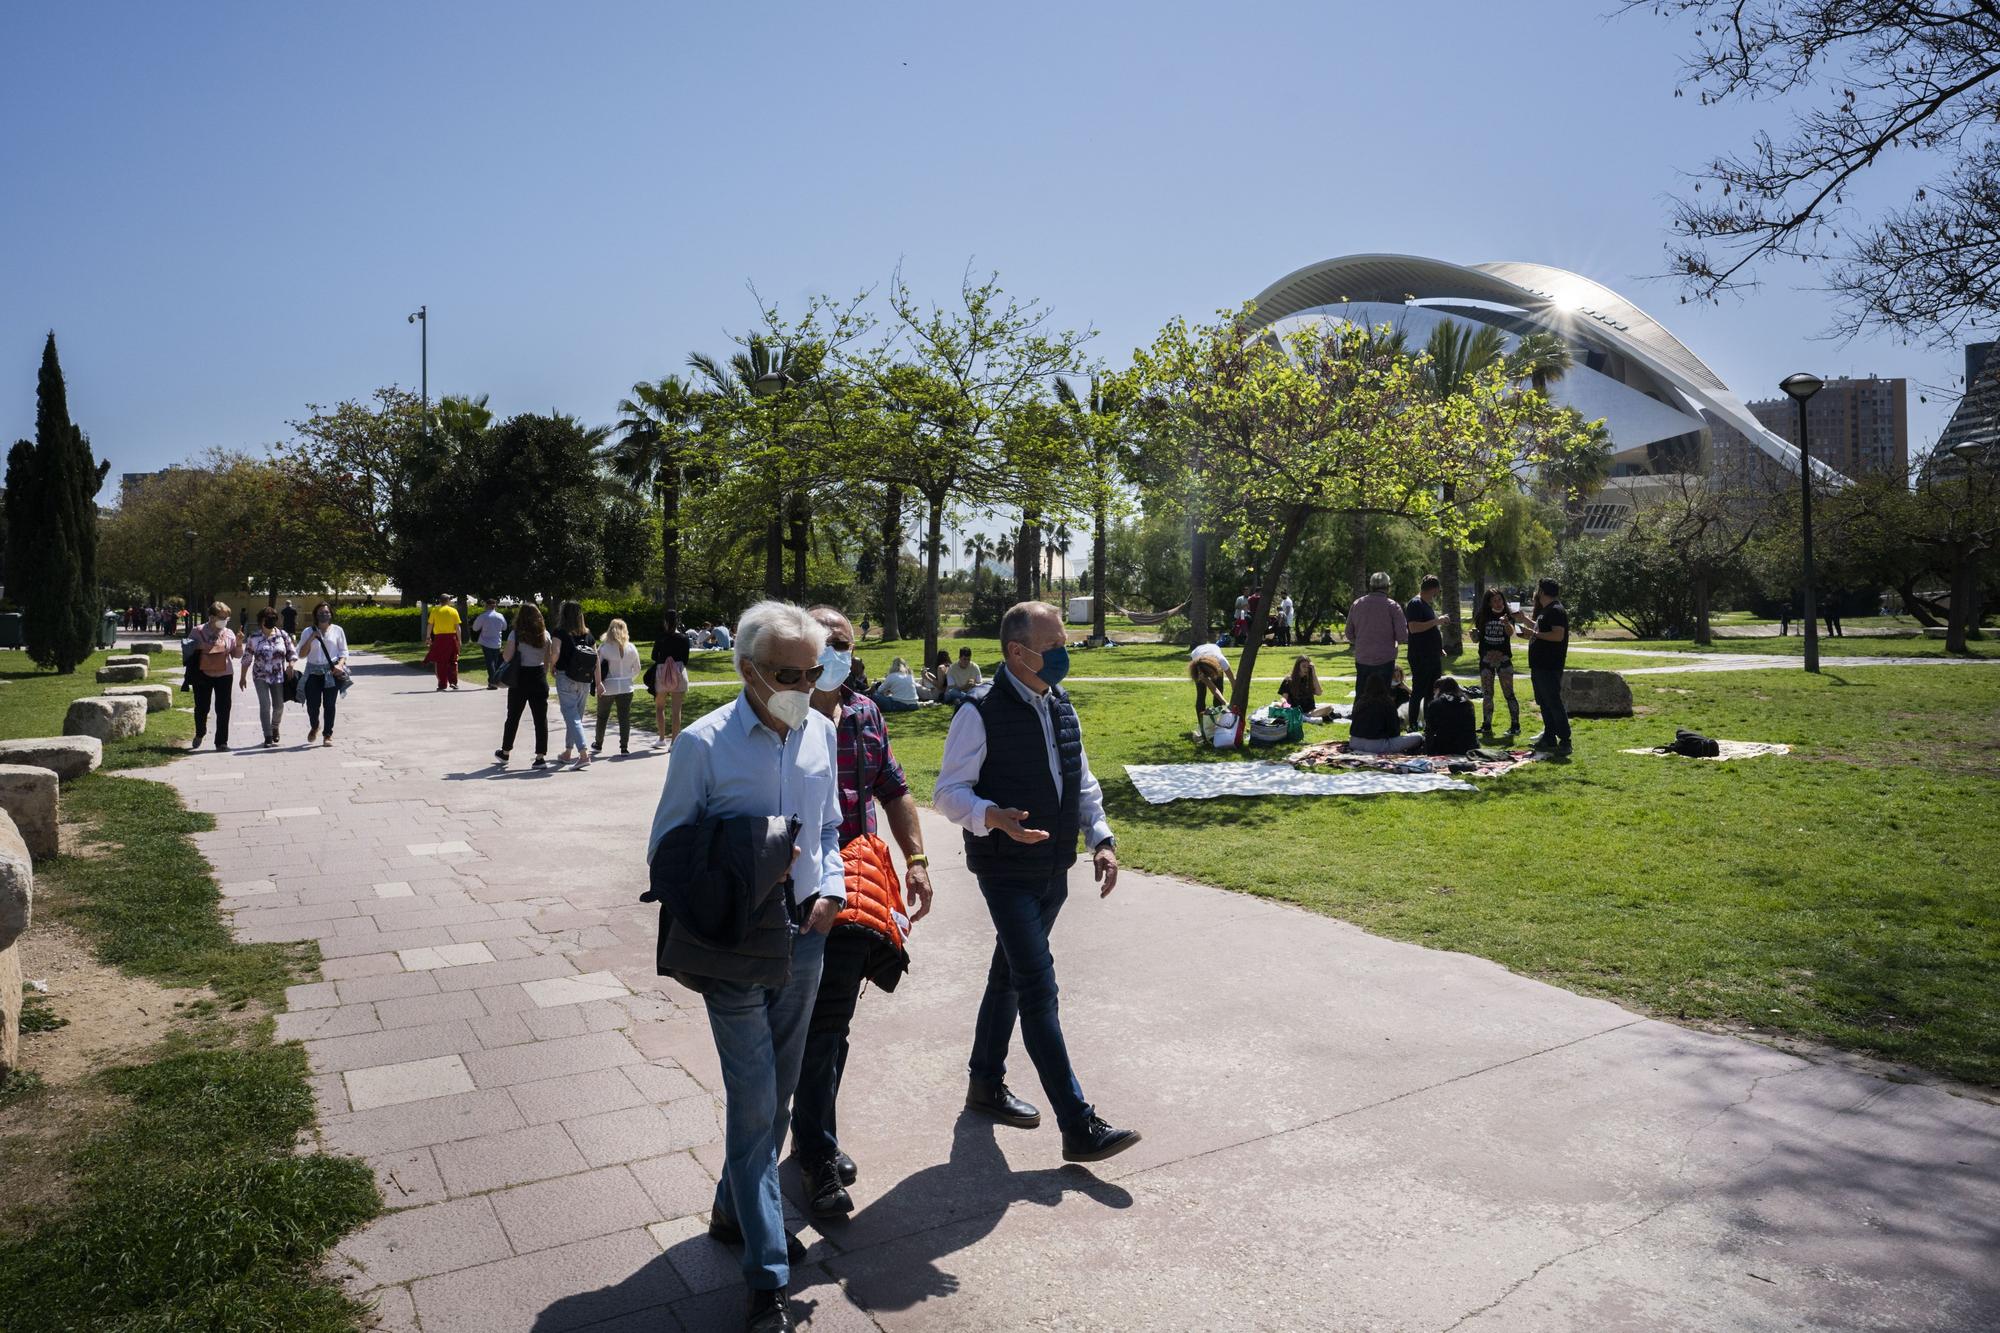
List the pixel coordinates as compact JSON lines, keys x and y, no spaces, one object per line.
{"x":659,"y":742}
{"x":540,"y":762}
{"x":624,"y":749}
{"x":597,"y":749}
{"x":501,"y":755}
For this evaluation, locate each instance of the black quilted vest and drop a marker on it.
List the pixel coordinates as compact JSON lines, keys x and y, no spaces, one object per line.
{"x":1016,"y":776}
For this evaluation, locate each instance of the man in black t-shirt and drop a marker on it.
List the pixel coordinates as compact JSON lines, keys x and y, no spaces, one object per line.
{"x":1547,"y":652}
{"x":1426,"y":646}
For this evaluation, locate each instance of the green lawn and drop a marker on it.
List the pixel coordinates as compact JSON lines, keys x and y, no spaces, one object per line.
{"x":190,"y":1208}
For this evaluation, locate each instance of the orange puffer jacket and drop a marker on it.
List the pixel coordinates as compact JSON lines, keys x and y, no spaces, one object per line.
{"x":875,"y":904}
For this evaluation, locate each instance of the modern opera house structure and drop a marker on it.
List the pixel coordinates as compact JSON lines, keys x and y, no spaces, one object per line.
{"x":1666,"y":412}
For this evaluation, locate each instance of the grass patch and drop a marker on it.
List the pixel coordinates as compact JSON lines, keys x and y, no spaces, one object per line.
{"x":187,"y":1207}
{"x":33,"y":702}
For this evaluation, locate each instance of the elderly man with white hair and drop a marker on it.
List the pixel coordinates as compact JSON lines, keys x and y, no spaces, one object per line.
{"x":764,"y":753}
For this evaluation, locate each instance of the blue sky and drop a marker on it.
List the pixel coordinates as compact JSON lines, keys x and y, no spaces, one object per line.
{"x":225,"y":211}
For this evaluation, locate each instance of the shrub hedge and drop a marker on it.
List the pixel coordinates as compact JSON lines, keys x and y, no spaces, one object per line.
{"x":367,"y":625}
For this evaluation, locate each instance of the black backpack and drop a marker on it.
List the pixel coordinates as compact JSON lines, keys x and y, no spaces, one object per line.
{"x":1692,"y":744}
{"x":579,"y":660}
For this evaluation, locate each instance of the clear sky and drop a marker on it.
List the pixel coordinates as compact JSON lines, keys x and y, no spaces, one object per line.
{"x":225,"y":210}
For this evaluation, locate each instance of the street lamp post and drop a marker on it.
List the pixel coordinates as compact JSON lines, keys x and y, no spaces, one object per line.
{"x":190,"y":534}
{"x":1801,"y":387}
{"x":423,"y":321}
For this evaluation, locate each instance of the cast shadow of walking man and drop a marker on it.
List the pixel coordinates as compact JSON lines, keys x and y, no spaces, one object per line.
{"x":894,"y":1247}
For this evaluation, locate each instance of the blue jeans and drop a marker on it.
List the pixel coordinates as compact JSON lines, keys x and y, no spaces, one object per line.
{"x":492,"y":656}
{"x":1548,"y":683}
{"x":573,"y":697}
{"x":953,"y":698}
{"x":815,"y":1131}
{"x":1022,"y":982}
{"x":888,"y":703}
{"x":760,"y":1034}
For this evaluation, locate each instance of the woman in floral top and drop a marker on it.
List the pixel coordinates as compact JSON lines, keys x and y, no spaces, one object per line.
{"x":271,"y":657}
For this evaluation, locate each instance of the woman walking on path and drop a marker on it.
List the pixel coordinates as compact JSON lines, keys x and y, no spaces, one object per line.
{"x":1494,"y":624}
{"x":576,"y":668}
{"x":272,"y":660}
{"x":526,"y":654}
{"x":669,"y":680}
{"x":216,"y":647}
{"x":323,"y":648}
{"x":617,"y":669}
{"x":444,"y":643}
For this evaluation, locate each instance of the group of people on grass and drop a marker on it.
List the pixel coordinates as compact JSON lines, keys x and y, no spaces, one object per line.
{"x":826,"y":911}
{"x":1425,"y":709}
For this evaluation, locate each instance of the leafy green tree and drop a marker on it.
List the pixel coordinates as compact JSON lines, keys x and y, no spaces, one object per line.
{"x":52,"y":485}
{"x":359,"y":459}
{"x":1102,"y":427}
{"x":1455,"y":356}
{"x":659,"y":443}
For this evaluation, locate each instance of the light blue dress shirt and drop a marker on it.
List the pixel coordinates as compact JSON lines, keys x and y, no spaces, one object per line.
{"x":727,"y":762}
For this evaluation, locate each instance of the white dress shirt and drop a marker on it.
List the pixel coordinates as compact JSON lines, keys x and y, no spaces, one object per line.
{"x":965,"y":754}
{"x":727,"y":762}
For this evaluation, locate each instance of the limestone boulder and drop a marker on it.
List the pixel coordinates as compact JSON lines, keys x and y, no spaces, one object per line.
{"x":17,"y":900}
{"x":29,"y":796}
{"x":126,"y":659}
{"x":107,"y":717}
{"x":158,"y":698}
{"x":1596,"y":694}
{"x":68,"y":757}
{"x":149,"y":647}
{"x":124,"y":673}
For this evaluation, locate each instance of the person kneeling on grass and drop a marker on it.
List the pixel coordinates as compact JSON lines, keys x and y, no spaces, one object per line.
{"x":1376,"y":729}
{"x":1448,"y":721}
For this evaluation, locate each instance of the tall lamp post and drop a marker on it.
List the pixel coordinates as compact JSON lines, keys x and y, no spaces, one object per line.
{"x":1801,"y":387}
{"x":190,"y":534}
{"x":423,"y":321}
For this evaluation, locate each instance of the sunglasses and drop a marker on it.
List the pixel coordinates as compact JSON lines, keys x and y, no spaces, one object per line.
{"x":838,"y":644}
{"x":792,"y":675}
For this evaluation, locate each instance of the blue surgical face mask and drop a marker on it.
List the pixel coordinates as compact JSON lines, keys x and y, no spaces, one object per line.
{"x":838,"y":665}
{"x":1055,"y":665}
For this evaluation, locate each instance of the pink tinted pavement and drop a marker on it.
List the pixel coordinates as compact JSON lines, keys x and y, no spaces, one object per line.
{"x":1342,"y":1132}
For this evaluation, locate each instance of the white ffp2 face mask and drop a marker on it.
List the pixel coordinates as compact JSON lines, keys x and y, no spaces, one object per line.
{"x":787,"y":707}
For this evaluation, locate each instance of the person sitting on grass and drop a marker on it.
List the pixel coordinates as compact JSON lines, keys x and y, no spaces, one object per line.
{"x":1302,"y":689}
{"x":1448,"y":724}
{"x":897,"y":691}
{"x":1376,"y":729}
{"x":937,"y":679}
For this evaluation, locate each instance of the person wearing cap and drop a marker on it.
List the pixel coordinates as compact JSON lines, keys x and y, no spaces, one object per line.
{"x":1376,"y":627}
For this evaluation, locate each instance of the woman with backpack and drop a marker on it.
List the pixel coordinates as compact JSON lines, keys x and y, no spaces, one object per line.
{"x":1375,"y":728}
{"x":216,"y":648}
{"x":617,"y":669}
{"x":1493,"y":625}
{"x":525,"y":656}
{"x":271,"y":661}
{"x":323,"y":648}
{"x":1447,"y":718}
{"x":669,"y":678}
{"x":576,"y":669}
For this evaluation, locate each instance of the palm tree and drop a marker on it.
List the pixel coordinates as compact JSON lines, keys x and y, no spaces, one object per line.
{"x":1058,"y":543}
{"x":977,"y":547}
{"x":1005,"y":549}
{"x":656,"y":444}
{"x":738,"y":382}
{"x":1542,"y":359}
{"x":1456,"y":355}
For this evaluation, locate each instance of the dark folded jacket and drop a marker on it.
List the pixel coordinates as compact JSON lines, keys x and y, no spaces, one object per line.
{"x":723,"y":909}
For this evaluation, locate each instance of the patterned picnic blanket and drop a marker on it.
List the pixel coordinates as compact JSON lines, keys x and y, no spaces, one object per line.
{"x":1730,"y":750}
{"x":1335,"y":755}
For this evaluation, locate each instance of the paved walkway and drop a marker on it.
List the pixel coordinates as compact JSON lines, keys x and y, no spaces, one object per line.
{"x":1342,"y":1132}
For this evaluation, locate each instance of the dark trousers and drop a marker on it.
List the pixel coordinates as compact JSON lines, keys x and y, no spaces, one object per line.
{"x":815,"y":1135}
{"x":623,"y":703}
{"x":527,"y":687}
{"x":217,"y":692}
{"x":1021,"y":983}
{"x":1423,"y":675}
{"x":1548,"y":683}
{"x":1363,"y":670}
{"x":492,"y":656}
{"x":322,"y":692}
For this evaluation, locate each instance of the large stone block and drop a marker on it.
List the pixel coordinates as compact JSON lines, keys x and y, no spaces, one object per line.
{"x":126,"y":659}
{"x":106,"y":717}
{"x":1596,"y":694}
{"x":17,"y":900}
{"x":159,"y":698}
{"x":68,"y":757}
{"x":149,"y":647}
{"x":125,"y":672}
{"x":28,"y":795}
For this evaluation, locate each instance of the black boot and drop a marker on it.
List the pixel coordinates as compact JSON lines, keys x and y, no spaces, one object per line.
{"x":825,"y":1195}
{"x":849,"y":1172}
{"x":770,"y":1312}
{"x":1096,"y":1141}
{"x":725,"y":1230}
{"x":992,"y":1097}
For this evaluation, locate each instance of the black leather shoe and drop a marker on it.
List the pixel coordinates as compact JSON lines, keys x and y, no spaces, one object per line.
{"x":1096,"y":1141}
{"x":725,"y":1230}
{"x":848,"y":1172}
{"x":995,"y":1100}
{"x":770,"y":1312}
{"x":825,"y":1196}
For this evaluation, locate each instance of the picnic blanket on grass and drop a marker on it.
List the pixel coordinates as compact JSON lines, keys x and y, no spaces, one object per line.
{"x":1335,"y":755}
{"x":1730,"y":750}
{"x":1160,"y":783}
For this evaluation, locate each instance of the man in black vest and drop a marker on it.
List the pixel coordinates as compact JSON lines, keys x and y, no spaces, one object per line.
{"x":1014,"y":777}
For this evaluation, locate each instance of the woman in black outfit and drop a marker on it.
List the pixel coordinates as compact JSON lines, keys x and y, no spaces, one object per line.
{"x":667,"y":677}
{"x":527,"y":652}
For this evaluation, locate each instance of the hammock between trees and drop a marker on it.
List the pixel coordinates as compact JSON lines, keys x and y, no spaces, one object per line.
{"x":1150,"y":617}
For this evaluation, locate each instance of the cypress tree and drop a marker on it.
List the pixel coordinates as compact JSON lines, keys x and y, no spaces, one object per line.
{"x":52,"y":488}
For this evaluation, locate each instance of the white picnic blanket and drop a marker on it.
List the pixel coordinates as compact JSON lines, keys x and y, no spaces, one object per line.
{"x":1730,"y":750}
{"x":1160,"y":783}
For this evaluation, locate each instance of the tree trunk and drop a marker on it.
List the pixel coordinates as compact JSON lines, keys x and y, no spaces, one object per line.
{"x":892,"y":553}
{"x":1448,"y":575}
{"x":1274,"y":570}
{"x":1100,"y":523}
{"x":1964,"y":601}
{"x":933,"y":549}
{"x":1027,"y":557}
{"x":1916,"y":605}
{"x":1703,"y":633}
{"x":1357,"y":559}
{"x":800,"y":542}
{"x":774,"y":558}
{"x":670,"y":543}
{"x":1198,"y":582}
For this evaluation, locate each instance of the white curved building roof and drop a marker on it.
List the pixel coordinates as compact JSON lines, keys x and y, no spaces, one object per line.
{"x":1638,"y":408}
